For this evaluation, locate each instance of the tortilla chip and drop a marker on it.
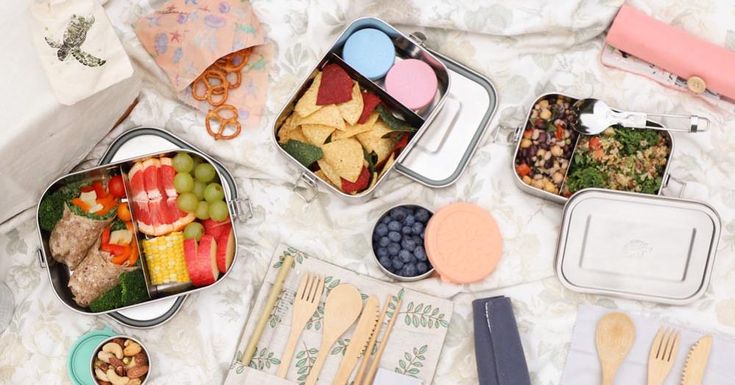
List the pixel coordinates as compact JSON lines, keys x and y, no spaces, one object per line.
{"x":352,"y":109}
{"x":351,"y":131}
{"x":335,"y":87}
{"x":317,"y":133}
{"x":327,"y":116}
{"x":346,"y":158}
{"x":373,"y":140}
{"x":388,"y":164}
{"x":330,"y":173}
{"x":307,"y":104}
{"x":290,"y":130}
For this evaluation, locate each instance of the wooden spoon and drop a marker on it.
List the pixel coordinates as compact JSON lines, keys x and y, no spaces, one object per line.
{"x":342,"y":308}
{"x":615,"y":337}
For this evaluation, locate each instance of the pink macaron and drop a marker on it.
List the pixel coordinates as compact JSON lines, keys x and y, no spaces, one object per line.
{"x":412,"y":82}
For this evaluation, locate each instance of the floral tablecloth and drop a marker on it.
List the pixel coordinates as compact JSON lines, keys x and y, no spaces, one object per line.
{"x":527,"y":48}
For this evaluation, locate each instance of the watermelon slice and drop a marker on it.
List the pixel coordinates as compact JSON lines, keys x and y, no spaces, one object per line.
{"x":154,"y":197}
{"x":201,"y":260}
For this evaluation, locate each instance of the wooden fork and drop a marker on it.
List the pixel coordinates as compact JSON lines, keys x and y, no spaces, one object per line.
{"x":663,"y":354}
{"x":305,"y":303}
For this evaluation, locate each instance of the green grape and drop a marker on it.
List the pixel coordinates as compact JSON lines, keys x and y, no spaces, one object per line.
{"x":183,"y":163}
{"x":197,"y":161}
{"x":194,"y":230}
{"x":187,"y":202}
{"x":202,"y":210}
{"x":214,"y":192}
{"x":218,"y":211}
{"x":183,"y":182}
{"x":198,"y":189}
{"x":204,"y":172}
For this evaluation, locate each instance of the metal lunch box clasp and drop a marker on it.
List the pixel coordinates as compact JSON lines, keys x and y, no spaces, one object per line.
{"x":418,"y":38}
{"x":512,"y":136}
{"x":239,"y":212}
{"x":682,"y":185}
{"x":41,"y":259}
{"x":305,"y":187}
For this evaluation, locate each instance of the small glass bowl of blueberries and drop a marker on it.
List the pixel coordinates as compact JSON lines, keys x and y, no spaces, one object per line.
{"x":398,"y":242}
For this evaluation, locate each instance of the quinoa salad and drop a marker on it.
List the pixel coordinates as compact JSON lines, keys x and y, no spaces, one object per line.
{"x":624,"y":159}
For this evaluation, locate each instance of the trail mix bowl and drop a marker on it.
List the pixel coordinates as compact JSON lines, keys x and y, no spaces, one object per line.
{"x":120,"y":360}
{"x":398,"y":242}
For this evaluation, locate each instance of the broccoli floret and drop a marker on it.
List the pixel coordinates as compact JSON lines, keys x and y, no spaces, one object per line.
{"x":133,"y":287}
{"x":112,"y":299}
{"x":50,"y":210}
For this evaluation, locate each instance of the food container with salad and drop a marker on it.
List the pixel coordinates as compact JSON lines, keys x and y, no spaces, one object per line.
{"x":137,"y":231}
{"x":553,"y":161}
{"x":380,"y":100}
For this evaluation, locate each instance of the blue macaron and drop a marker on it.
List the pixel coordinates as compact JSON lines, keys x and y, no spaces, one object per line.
{"x":370,"y":52}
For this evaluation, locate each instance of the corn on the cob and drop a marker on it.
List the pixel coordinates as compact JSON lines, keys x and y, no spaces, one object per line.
{"x":164,"y":256}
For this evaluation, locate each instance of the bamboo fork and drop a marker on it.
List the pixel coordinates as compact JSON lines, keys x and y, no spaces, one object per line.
{"x":663,"y":354}
{"x":306,"y":301}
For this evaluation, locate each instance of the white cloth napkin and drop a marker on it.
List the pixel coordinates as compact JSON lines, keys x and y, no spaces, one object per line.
{"x":78,"y":48}
{"x":583,"y":367}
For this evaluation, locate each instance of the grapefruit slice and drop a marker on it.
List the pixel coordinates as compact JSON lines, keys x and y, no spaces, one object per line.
{"x":154,"y":197}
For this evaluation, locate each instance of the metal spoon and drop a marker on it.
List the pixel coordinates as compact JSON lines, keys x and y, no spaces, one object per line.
{"x":595,"y":116}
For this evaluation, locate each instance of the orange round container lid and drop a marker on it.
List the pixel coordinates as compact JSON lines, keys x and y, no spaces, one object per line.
{"x":463,"y":243}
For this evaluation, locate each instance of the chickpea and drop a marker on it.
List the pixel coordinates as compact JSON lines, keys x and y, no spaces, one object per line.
{"x":557,"y":177}
{"x":534,"y":136}
{"x":543,"y":104}
{"x":526,"y":179}
{"x":545,"y":114}
{"x":540,"y":152}
{"x":538,"y":183}
{"x":525,"y":143}
{"x":557,"y":151}
{"x":547,"y":155}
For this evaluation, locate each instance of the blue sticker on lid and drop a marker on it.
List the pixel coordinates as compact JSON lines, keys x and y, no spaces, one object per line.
{"x":79,"y":361}
{"x":370,"y":52}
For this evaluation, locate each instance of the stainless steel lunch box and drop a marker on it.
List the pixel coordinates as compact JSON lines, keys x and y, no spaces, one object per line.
{"x":449,"y":132}
{"x":637,"y":246}
{"x":556,"y":197}
{"x":136,"y":144}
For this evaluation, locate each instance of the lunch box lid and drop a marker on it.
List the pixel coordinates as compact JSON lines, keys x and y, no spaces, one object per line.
{"x":638,"y":246}
{"x":80,"y":356}
{"x":442,"y":153}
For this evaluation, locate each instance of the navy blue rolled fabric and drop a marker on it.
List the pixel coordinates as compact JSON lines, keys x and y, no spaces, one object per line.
{"x":498,"y":349}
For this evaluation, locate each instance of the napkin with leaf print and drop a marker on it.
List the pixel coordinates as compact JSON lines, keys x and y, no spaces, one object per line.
{"x":413,"y":348}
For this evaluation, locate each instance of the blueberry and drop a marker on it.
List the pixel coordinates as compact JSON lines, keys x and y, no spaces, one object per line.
{"x":418,"y":228}
{"x":421,"y":267}
{"x":386,"y":262}
{"x":419,"y":239}
{"x":394,"y":236}
{"x":381,"y":229}
{"x":405,"y":256}
{"x":397,"y":264}
{"x":382,"y":252}
{"x":394,"y":226}
{"x":409,"y":270}
{"x":393,"y":249}
{"x":385,"y":219}
{"x":398,"y":213}
{"x":406,"y":230}
{"x":410,"y":220}
{"x":423,"y":215}
{"x":408,"y":244}
{"x":383,"y":242}
{"x":420,"y":253}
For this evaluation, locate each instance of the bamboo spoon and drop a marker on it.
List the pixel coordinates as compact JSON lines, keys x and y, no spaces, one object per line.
{"x":268,"y":309}
{"x":306,"y":301}
{"x":615,"y":337}
{"x":383,"y":343}
{"x":358,"y":342}
{"x":371,"y":344}
{"x":342,"y":308}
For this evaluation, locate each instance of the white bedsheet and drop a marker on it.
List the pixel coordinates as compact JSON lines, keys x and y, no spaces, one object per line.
{"x":527,"y":48}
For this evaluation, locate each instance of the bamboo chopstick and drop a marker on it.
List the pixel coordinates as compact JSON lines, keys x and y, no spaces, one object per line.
{"x":268,"y":309}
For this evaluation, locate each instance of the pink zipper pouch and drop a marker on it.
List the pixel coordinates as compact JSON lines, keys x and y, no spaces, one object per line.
{"x":693,"y":60}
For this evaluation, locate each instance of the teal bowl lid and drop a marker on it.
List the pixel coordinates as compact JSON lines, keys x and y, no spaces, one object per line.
{"x":80,"y":356}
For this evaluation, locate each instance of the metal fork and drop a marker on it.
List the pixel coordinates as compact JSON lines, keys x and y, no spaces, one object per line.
{"x":305,"y":303}
{"x":663,"y":354}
